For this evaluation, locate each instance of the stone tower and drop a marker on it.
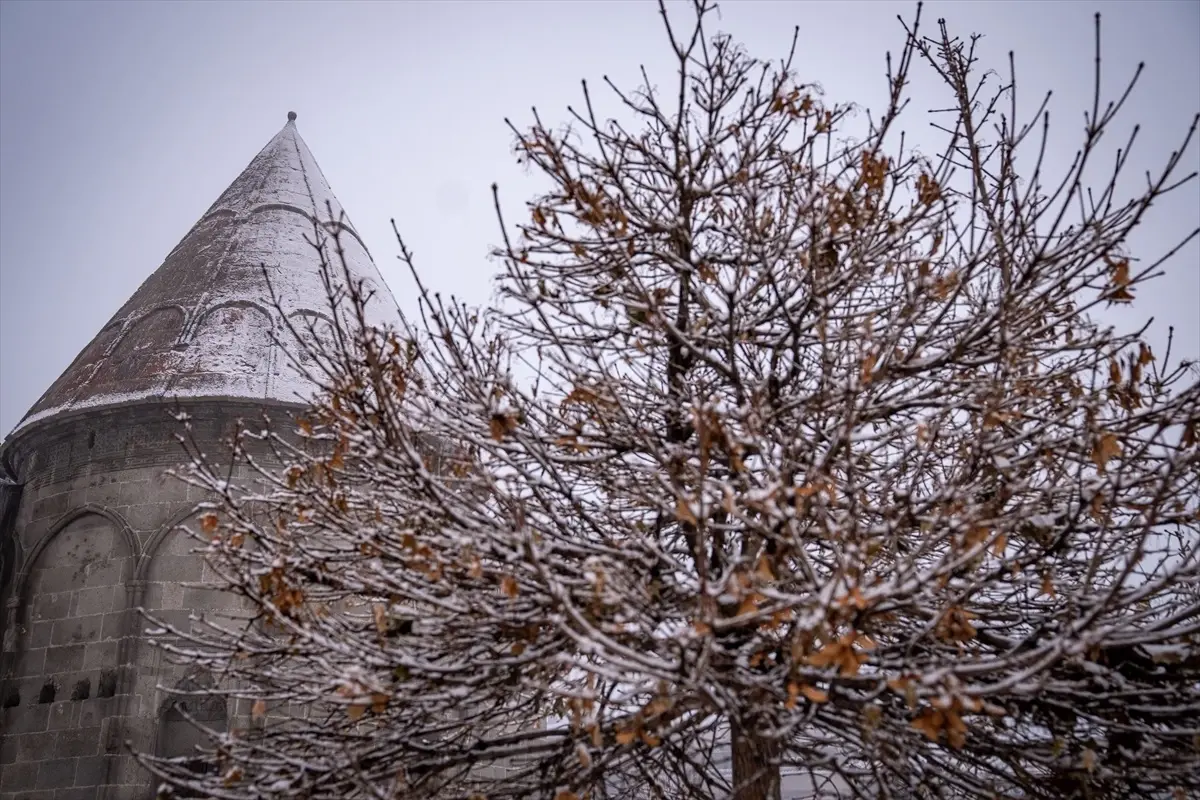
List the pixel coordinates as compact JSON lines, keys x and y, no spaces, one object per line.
{"x":87,"y":517}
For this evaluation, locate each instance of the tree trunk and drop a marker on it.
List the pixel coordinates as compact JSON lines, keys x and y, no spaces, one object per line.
{"x":755,"y":767}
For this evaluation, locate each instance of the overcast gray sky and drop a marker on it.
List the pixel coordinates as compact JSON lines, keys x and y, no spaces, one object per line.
{"x":121,"y":122}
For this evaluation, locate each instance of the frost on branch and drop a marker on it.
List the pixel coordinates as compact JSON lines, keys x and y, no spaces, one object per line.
{"x":783,"y":461}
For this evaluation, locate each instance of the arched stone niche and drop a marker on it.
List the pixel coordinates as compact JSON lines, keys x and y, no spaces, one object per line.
{"x":228,"y":351}
{"x":73,"y":609}
{"x":171,"y":573}
{"x":310,"y":329}
{"x":301,"y":336}
{"x":188,"y":716}
{"x":178,"y":583}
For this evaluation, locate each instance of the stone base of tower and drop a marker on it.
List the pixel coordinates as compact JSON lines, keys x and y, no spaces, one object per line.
{"x":94,"y":538}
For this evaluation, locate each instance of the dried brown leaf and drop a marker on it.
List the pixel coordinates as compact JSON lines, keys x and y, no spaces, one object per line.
{"x":1105,"y":448}
{"x":259,"y":709}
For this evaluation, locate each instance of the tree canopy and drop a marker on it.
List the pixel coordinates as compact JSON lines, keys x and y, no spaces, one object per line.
{"x":784,"y":463}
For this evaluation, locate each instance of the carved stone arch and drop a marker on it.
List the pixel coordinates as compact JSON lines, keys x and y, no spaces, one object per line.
{"x":168,"y":562}
{"x":234,"y":304}
{"x":72,"y":601}
{"x":308,"y":312}
{"x":119,"y":523}
{"x":155,"y":540}
{"x":229,"y":348}
{"x":199,"y":315}
{"x":283,"y":207}
{"x":176,"y":587}
{"x":134,"y":320}
{"x":196,"y":682}
{"x":335,"y":226}
{"x":163,"y":598}
{"x":304,"y":330}
{"x":301,"y":320}
{"x":329,"y":226}
{"x":176,"y":581}
{"x":218,"y":213}
{"x":106,"y":344}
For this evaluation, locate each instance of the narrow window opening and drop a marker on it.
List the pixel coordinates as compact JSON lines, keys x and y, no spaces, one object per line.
{"x":47,"y":693}
{"x":108,"y":683}
{"x":12,"y":699}
{"x":83,"y":690}
{"x":91,"y":439}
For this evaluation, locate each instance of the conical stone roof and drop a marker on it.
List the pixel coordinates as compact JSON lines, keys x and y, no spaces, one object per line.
{"x":204,"y":325}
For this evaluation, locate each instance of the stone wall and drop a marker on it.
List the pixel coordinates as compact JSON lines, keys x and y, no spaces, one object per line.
{"x":94,"y":540}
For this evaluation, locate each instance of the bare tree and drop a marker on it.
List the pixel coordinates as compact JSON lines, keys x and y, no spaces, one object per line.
{"x":801,"y":449}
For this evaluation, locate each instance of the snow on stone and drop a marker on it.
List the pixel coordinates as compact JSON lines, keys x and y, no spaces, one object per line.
{"x":203,"y":324}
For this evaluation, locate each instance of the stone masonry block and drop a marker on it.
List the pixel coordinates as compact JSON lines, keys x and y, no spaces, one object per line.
{"x":63,"y":715}
{"x":80,"y":629}
{"x":56,"y":774}
{"x":91,"y":770}
{"x":133,"y":704}
{"x":28,"y":690}
{"x":18,"y":776}
{"x":112,"y":571}
{"x":92,"y":712}
{"x":134,"y":491}
{"x":178,"y":619}
{"x":200,"y":599}
{"x":114,"y":625}
{"x":44,"y":794}
{"x":102,"y":654}
{"x":129,"y":772}
{"x":52,"y":506}
{"x":169,"y":569}
{"x":26,"y":719}
{"x":172,"y":596}
{"x":8,"y":751}
{"x":39,"y":633}
{"x":145,"y":517}
{"x":152,"y":595}
{"x":102,"y":494}
{"x":65,"y":658}
{"x":35,"y":746}
{"x":79,"y":742}
{"x":75,"y":793}
{"x":31,"y":663}
{"x":148,"y":680}
{"x":112,"y":735}
{"x":50,"y":606}
{"x":96,"y":600}
{"x":59,"y":580}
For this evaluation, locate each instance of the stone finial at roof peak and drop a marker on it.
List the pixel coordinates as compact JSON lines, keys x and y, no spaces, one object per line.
{"x":291,"y":116}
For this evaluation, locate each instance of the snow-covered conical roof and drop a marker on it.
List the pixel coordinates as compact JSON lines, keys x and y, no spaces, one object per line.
{"x":203,"y":324}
